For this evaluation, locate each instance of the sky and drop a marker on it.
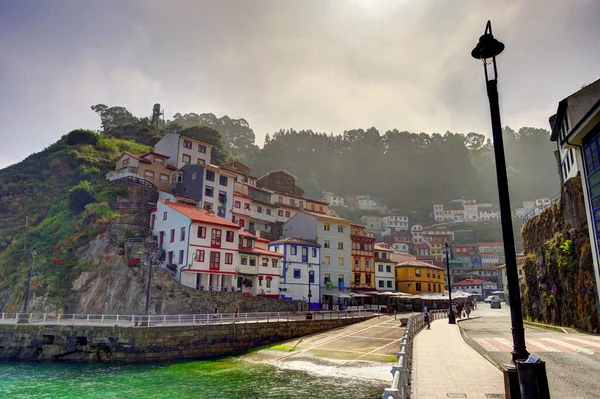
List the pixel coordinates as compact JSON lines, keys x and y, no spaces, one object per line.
{"x":325,"y":65}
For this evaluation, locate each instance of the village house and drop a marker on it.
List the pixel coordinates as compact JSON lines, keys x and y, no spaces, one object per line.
{"x":183,"y":150}
{"x":477,"y":287}
{"x":372,"y":223}
{"x":333,"y":234}
{"x":259,"y":267}
{"x":201,"y":247}
{"x":393,"y":223}
{"x":417,"y":233}
{"x":384,"y":267}
{"x":301,"y":270}
{"x":152,"y":167}
{"x":414,"y":277}
{"x":363,"y":265}
{"x":332,"y":199}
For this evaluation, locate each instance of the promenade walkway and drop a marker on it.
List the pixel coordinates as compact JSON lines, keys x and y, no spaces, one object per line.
{"x":444,"y":366}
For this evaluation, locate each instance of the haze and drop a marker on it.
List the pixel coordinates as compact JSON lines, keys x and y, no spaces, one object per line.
{"x":322,"y":65}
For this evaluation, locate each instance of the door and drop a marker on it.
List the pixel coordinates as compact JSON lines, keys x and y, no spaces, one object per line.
{"x":161,"y":238}
{"x":198,"y":281}
{"x":239,"y":283}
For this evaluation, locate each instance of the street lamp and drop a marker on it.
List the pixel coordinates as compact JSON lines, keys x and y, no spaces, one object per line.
{"x":451,"y":316}
{"x":33,"y":255}
{"x":310,"y":274}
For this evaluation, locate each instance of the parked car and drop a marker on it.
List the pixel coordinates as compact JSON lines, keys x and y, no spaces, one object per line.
{"x":495,"y":304}
{"x":490,"y":298}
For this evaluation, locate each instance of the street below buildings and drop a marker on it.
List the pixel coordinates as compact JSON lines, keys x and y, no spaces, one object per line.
{"x":572,"y":359}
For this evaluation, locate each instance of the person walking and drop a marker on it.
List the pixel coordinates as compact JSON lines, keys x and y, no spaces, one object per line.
{"x":459,"y":309}
{"x":426,"y":317}
{"x":236,"y":315}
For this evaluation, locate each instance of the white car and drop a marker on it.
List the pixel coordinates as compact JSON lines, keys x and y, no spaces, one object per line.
{"x":490,"y":298}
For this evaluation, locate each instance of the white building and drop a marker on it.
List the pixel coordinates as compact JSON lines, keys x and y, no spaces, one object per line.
{"x":333,"y":199}
{"x":259,"y":270}
{"x":471,"y":212}
{"x":385,"y":272}
{"x":520,"y":212}
{"x":401,"y":247}
{"x":528,"y":205}
{"x":183,"y":150}
{"x":392,"y":223}
{"x":417,"y":233}
{"x":475,"y":286}
{"x":301,"y":270}
{"x":438,"y":211}
{"x":203,"y":246}
{"x":365,"y":203}
{"x":489,"y":214}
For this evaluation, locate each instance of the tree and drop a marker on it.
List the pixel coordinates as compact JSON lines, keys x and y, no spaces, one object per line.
{"x":111,"y":117}
{"x":80,"y":195}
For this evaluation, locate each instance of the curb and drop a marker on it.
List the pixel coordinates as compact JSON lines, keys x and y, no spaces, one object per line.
{"x":564,"y":330}
{"x":475,"y":347}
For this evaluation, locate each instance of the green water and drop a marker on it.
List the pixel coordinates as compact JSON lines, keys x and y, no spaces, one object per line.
{"x":220,"y":379}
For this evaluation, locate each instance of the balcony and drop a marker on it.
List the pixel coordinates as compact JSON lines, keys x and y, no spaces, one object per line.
{"x":122,"y":173}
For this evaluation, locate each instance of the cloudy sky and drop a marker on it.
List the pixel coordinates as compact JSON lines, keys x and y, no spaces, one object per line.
{"x":326,"y":65}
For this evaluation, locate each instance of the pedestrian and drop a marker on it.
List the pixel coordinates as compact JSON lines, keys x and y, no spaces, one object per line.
{"x":426,"y":317}
{"x":459,"y":309}
{"x":468,"y":311}
{"x":236,"y":315}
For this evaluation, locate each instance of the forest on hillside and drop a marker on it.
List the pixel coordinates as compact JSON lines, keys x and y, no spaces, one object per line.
{"x":403,"y":170}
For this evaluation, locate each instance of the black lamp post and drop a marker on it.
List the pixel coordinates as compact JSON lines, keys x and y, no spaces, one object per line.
{"x":451,"y":316}
{"x":310,"y":274}
{"x":486,"y":50}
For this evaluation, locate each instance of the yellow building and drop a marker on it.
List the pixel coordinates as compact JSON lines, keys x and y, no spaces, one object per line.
{"x":414,"y":277}
{"x":436,"y":249}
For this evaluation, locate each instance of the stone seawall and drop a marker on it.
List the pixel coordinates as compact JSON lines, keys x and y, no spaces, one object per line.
{"x":138,"y":344}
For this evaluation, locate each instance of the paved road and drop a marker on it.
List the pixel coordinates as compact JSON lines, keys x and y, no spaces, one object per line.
{"x":572,"y":360}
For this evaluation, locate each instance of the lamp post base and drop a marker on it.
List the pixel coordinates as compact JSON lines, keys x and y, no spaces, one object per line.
{"x":451,"y":318}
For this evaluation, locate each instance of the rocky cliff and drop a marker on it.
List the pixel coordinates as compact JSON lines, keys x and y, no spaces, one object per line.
{"x":559,"y":286}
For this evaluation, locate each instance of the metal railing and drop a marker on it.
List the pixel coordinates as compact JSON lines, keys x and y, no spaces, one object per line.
{"x":400,"y":388}
{"x":173,"y":320}
{"x":538,"y":209}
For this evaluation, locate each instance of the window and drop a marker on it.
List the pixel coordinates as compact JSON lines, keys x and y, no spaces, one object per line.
{"x":287,"y":214}
{"x":380,"y":283}
{"x":201,"y":232}
{"x":301,"y":204}
{"x":357,"y":279}
{"x":389,"y":284}
{"x":280,"y":213}
{"x":326,"y":260}
{"x":170,"y":256}
{"x":180,"y":257}
{"x":252,"y":261}
{"x":268,"y":211}
{"x":311,"y":276}
{"x":356,"y":262}
{"x":294,"y":250}
{"x":428,"y":273}
{"x":215,"y":237}
{"x":215,"y":260}
{"x":200,"y":161}
{"x":428,"y":286}
{"x":260,"y":282}
{"x":340,"y":245}
{"x":186,"y":158}
{"x":199,"y":255}
{"x":280,"y":199}
{"x":209,"y":191}
{"x":380,"y":268}
{"x":246,"y":206}
{"x":228,"y":258}
{"x":418,"y":286}
{"x":187,"y":144}
{"x":326,"y":244}
{"x":242,"y":222}
{"x":320,"y":209}
{"x":388,"y":269}
{"x":244,"y":260}
{"x":268,"y":283}
{"x":148,"y":175}
{"x":163,"y":178}
{"x":176,"y":177}
{"x":223,"y":180}
{"x":172,"y":235}
{"x":265,"y":263}
{"x":368,"y":263}
{"x":229,"y":236}
{"x":259,"y":209}
{"x":326,"y":277}
{"x":418,"y":272}
{"x":237,"y":204}
{"x":340,"y":228}
{"x":164,"y":215}
{"x":274,"y":262}
{"x":297,"y":273}
{"x":314,"y":252}
{"x":201,"y":148}
{"x":340,"y":278}
{"x":210,"y":175}
{"x":182,"y":234}
{"x":126,"y":161}
{"x":292,"y":201}
{"x":341,"y":261}
{"x":326,"y":227}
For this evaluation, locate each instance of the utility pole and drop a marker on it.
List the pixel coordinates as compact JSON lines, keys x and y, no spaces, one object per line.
{"x":33,"y":255}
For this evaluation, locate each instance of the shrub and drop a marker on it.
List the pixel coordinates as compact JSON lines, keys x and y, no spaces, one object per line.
{"x":82,"y":136}
{"x":80,"y":195}
{"x":122,"y":251}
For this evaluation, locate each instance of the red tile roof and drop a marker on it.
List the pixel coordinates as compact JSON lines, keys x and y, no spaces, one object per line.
{"x":156,"y":153}
{"x":200,"y":215}
{"x":260,"y":251}
{"x":416,"y":263}
{"x":144,"y":160}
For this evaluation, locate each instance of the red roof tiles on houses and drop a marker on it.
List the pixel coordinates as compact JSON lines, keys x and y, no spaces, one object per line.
{"x":416,"y":263}
{"x":470,"y":282}
{"x":144,"y":160}
{"x":260,"y":251}
{"x":200,"y":215}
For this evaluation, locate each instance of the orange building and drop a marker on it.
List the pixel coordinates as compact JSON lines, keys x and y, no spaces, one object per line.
{"x":363,"y":266}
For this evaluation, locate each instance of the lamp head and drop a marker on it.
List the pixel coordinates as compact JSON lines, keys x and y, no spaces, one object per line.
{"x":487,"y":48}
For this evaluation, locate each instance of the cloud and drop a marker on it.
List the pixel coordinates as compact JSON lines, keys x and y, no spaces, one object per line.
{"x":324,"y":65}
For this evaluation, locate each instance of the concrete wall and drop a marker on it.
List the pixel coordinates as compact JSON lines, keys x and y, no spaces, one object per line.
{"x":138,"y":344}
